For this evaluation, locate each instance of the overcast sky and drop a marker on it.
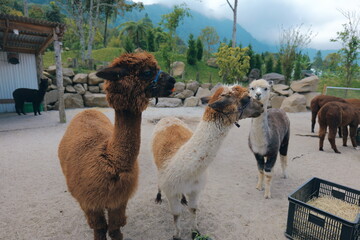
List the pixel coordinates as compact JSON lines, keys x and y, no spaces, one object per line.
{"x":263,"y":19}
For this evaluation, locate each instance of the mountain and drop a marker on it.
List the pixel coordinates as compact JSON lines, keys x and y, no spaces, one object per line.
{"x":195,"y":24}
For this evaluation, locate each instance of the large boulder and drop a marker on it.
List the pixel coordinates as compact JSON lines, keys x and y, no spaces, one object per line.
{"x":94,"y":89}
{"x":309,"y":96}
{"x":211,"y":62}
{"x":70,"y":89}
{"x":202,"y":92}
{"x":177,"y":69}
{"x":93,"y":79}
{"x":68,"y":72}
{"x":213,"y":90}
{"x":276,"y":101}
{"x":80,"y":78}
{"x":95,"y":100}
{"x":308,"y":84}
{"x":294,"y":103}
{"x":276,"y":78}
{"x":166,"y":102}
{"x":66,"y":81}
{"x":254,"y":74}
{"x":51,"y":96}
{"x":193,"y":86}
{"x":184,"y":94}
{"x":79,"y":89}
{"x":73,"y":100}
{"x":179,"y":87}
{"x":282,"y":89}
{"x":192,"y":102}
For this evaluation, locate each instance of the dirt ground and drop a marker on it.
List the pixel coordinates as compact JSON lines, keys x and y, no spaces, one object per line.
{"x":35,"y":204}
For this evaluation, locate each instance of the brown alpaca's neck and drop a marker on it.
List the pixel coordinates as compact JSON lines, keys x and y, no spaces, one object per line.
{"x":125,"y":142}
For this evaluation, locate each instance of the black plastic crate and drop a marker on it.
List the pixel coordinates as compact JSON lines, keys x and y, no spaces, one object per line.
{"x":310,"y":223}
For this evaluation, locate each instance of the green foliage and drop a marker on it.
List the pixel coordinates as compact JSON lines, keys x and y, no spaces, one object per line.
{"x":191,"y":52}
{"x":37,"y":12}
{"x":318,"y":61}
{"x":199,"y":49}
{"x":332,"y":62}
{"x":278,"y":66}
{"x":53,"y":13}
{"x":128,"y":45}
{"x":349,"y":37}
{"x":136,"y":31}
{"x":251,"y":54}
{"x":210,"y":38}
{"x":269,"y":64}
{"x":233,"y":63}
{"x":150,"y":41}
{"x":297,"y":70}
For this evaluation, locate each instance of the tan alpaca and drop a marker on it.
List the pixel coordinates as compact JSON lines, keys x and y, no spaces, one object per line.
{"x":99,"y":159}
{"x":182,"y":157}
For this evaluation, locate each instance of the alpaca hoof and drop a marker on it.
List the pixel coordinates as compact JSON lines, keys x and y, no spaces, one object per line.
{"x":176,"y":238}
{"x":259,"y":188}
{"x":116,"y":235}
{"x":336,"y":151}
{"x":123,"y":222}
{"x":321,"y":149}
{"x":267,"y":196}
{"x":100,"y":234}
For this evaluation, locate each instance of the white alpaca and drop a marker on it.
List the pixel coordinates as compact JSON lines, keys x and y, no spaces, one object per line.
{"x":269,"y":134}
{"x":182,"y":157}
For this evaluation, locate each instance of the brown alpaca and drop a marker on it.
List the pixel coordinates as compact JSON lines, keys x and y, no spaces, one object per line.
{"x":98,"y":159}
{"x":334,"y":115}
{"x":319,"y":101}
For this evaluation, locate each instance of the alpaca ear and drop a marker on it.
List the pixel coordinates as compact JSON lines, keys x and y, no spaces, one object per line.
{"x":112,"y":73}
{"x":220,"y":104}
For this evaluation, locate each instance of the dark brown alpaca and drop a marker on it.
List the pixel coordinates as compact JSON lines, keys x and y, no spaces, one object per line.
{"x":319,"y":101}
{"x":334,"y":115}
{"x":98,"y":159}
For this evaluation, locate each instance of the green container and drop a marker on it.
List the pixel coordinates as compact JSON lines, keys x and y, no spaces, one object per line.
{"x":28,"y":107}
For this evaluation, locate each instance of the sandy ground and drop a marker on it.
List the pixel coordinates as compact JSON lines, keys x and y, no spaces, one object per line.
{"x":35,"y":204}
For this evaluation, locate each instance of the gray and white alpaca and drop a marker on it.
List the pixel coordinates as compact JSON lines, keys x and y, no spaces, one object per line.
{"x":269,"y":134}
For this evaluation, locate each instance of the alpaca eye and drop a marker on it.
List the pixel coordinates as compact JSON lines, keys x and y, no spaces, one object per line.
{"x":252,"y":89}
{"x":265,"y":89}
{"x":147,"y":73}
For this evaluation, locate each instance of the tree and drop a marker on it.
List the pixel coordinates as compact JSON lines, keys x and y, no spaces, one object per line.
{"x":234,"y":10}
{"x":199,"y":49}
{"x":150,"y":40}
{"x":233,"y":63}
{"x":251,"y":54}
{"x":210,"y":38}
{"x":135,"y":30}
{"x":36,"y":12}
{"x":278,"y":65}
{"x":269,"y":64}
{"x":332,"y":62}
{"x":172,"y":20}
{"x":53,"y":13}
{"x":350,"y":40}
{"x":318,"y":62}
{"x":297,"y":70}
{"x":111,"y":9}
{"x":191,"y":52}
{"x":292,"y":40}
{"x":128,"y":45}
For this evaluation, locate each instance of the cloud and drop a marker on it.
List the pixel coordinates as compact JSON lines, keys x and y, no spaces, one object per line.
{"x":264,"y":19}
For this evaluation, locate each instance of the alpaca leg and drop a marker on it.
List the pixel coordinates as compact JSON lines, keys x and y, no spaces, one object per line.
{"x":331,"y":137}
{"x":353,"y":130}
{"x":117,"y":219}
{"x":18,"y":107}
{"x":35,"y":108}
{"x":313,"y":119}
{"x":96,"y":220}
{"x":175,"y":208}
{"x":260,"y":164}
{"x":344,"y":135}
{"x":322,"y":133}
{"x":268,"y":178}
{"x":269,"y":165}
{"x":22,"y":108}
{"x":284,"y":162}
{"x":193,"y":198}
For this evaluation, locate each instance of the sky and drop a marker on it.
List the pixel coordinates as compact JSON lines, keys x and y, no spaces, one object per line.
{"x":264,"y":19}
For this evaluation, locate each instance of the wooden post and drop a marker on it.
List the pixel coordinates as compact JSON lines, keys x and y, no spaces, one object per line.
{"x":39,"y":73}
{"x":59,"y":74}
{"x":324,"y":90}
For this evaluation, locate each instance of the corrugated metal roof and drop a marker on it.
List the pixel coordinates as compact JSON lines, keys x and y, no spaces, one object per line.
{"x":26,"y":35}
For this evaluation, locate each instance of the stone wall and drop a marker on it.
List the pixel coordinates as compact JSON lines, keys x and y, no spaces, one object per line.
{"x":87,"y":90}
